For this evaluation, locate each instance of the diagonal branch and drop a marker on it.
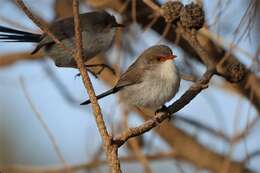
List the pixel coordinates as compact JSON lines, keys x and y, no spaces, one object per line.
{"x":111,"y":151}
{"x":12,"y":58}
{"x":231,"y":69}
{"x":41,"y":25}
{"x":86,"y":166}
{"x":45,"y":127}
{"x":190,"y":94}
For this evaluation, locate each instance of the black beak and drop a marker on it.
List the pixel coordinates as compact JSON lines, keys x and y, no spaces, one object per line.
{"x":118,"y":25}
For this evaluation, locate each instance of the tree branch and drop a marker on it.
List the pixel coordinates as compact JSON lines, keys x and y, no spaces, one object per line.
{"x":111,"y":150}
{"x":231,"y":69}
{"x":190,"y":94}
{"x":85,"y":166}
{"x":9,"y":59}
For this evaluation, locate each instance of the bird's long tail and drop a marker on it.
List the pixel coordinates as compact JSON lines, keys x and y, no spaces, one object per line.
{"x":109,"y":92}
{"x":14,"y":35}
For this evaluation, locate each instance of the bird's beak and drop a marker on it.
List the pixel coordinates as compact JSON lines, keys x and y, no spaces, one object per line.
{"x":118,"y":25}
{"x":171,"y":56}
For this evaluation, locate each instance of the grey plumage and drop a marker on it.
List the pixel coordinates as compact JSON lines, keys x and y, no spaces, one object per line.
{"x":98,"y":31}
{"x":150,"y":81}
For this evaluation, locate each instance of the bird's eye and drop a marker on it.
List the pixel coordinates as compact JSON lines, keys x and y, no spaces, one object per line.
{"x":106,"y":23}
{"x":159,"y":58}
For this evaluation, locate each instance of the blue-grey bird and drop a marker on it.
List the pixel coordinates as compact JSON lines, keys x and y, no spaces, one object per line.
{"x":98,"y":32}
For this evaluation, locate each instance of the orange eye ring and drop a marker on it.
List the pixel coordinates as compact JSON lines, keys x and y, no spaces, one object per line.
{"x":160,"y":58}
{"x":164,"y":58}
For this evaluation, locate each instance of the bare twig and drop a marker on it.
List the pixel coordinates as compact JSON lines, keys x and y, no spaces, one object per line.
{"x":135,"y":146}
{"x":239,"y":136}
{"x":194,"y":90}
{"x":134,"y":10}
{"x":45,"y":127}
{"x":140,"y":155}
{"x":111,"y":150}
{"x":153,"y":6}
{"x":12,"y":58}
{"x":85,"y":166}
{"x":41,"y":25}
{"x":35,"y":20}
{"x":251,"y":156}
{"x":222,"y":41}
{"x":204,"y":127}
{"x":57,"y":82}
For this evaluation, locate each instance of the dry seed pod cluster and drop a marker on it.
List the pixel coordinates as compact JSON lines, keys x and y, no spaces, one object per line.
{"x":172,"y":10}
{"x":191,"y":16}
{"x":234,"y":71}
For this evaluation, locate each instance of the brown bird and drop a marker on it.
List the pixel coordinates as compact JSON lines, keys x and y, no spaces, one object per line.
{"x":150,"y":81}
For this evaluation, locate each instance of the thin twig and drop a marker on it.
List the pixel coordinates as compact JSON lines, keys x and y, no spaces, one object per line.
{"x":202,"y":126}
{"x":86,"y":166}
{"x":111,"y":150}
{"x":57,"y":82}
{"x":41,"y":25}
{"x":153,"y":6}
{"x":140,"y":155}
{"x":251,"y":156}
{"x":192,"y":92}
{"x":45,"y":126}
{"x":222,"y":41}
{"x":134,"y":17}
{"x":11,"y":58}
{"x":135,"y":146}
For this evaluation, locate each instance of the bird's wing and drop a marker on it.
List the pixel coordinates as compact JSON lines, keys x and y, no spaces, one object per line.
{"x":134,"y":75}
{"x":61,"y":29}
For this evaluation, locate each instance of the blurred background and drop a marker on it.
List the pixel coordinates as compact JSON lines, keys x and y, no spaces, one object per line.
{"x":42,"y":126}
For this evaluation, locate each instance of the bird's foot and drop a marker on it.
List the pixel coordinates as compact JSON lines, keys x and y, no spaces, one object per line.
{"x":88,"y":70}
{"x":102,"y":67}
{"x":165,"y":110}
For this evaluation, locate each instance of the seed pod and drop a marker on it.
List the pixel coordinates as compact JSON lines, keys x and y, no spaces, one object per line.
{"x":192,"y":16}
{"x":171,"y":10}
{"x":232,"y":70}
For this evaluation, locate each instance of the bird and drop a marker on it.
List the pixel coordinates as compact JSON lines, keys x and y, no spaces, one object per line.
{"x":98,"y":32}
{"x":151,"y":81}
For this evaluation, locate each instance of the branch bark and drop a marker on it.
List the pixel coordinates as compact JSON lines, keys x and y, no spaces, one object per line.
{"x":9,"y":59}
{"x":190,"y":94}
{"x":111,"y":150}
{"x":85,"y":166}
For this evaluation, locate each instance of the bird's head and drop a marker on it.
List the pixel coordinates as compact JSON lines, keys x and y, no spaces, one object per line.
{"x":157,"y":54}
{"x":102,"y":20}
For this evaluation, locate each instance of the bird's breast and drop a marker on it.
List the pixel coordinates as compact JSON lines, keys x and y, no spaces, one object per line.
{"x":163,"y":83}
{"x":158,"y":86}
